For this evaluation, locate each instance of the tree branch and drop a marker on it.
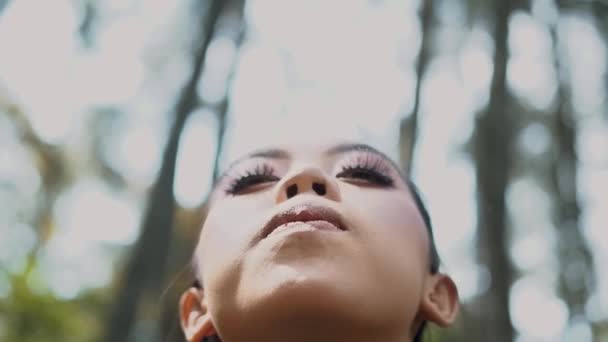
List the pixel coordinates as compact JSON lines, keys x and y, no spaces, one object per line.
{"x":408,"y":134}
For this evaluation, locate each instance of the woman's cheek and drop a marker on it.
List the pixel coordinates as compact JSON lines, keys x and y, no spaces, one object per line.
{"x":393,"y":224}
{"x":227,"y":232}
{"x":217,"y":244}
{"x":393,"y":252}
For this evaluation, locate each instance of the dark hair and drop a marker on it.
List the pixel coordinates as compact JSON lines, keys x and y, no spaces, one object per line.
{"x":434,"y":265}
{"x":435,"y":261}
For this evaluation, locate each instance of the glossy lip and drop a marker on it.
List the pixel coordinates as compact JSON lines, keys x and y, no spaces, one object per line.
{"x":303,"y":213}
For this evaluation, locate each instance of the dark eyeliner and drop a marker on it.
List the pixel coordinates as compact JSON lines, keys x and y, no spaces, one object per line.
{"x":368,"y":168}
{"x":366,"y":172}
{"x":260,"y":174}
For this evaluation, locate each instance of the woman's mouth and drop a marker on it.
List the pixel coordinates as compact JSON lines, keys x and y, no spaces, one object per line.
{"x":317,"y":224}
{"x":304,"y":216}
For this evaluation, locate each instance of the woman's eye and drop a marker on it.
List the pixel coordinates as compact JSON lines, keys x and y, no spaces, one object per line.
{"x":245,"y":182}
{"x":365,"y":174}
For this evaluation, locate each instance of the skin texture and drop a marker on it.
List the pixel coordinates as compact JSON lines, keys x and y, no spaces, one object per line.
{"x":370,"y":282}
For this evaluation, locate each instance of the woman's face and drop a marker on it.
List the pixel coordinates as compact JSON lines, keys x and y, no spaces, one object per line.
{"x":321,"y":237}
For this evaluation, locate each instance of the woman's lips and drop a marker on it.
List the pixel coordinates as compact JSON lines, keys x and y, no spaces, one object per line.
{"x":319,"y":217}
{"x":317,"y":224}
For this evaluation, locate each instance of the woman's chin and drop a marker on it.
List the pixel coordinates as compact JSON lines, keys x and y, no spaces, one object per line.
{"x":306,"y":299}
{"x":299,"y":286}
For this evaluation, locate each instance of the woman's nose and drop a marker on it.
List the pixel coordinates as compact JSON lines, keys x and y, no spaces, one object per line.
{"x":308,"y":180}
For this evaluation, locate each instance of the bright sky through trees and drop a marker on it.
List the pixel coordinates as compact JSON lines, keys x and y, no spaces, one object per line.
{"x":350,"y":75}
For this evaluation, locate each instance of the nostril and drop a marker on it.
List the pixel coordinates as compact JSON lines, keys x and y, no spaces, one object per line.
{"x":292,"y":190}
{"x":319,"y":188}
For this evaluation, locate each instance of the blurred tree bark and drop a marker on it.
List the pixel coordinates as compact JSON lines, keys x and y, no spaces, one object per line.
{"x":188,"y":221}
{"x":88,"y":23}
{"x":599,"y":11}
{"x":3,"y":4}
{"x":409,"y":125}
{"x":145,"y":270}
{"x":224,"y":106}
{"x":576,"y":276}
{"x":51,"y":164}
{"x":221,"y":130}
{"x":492,"y":152}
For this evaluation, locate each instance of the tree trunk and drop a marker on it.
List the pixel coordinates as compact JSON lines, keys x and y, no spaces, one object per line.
{"x":224,"y":106}
{"x":409,"y":125}
{"x":576,"y":276}
{"x":185,"y":239}
{"x":599,"y":11}
{"x":492,"y":151}
{"x":145,"y":270}
{"x":88,"y":23}
{"x":3,"y":4}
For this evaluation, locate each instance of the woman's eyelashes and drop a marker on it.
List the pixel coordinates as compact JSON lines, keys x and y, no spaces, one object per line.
{"x":262,"y":173}
{"x":361,"y":170}
{"x":365,"y":173}
{"x":368,"y":169}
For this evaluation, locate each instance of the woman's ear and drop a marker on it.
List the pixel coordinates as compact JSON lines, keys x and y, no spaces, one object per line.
{"x":194,"y":316}
{"x":440,"y":303}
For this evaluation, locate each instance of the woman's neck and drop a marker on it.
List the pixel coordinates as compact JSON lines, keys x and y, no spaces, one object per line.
{"x":319,"y":332}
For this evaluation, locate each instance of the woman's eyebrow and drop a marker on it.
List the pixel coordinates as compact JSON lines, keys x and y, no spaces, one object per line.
{"x":346,"y":148}
{"x":272,"y":153}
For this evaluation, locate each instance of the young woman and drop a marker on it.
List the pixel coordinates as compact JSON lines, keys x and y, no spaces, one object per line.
{"x":316,"y":243}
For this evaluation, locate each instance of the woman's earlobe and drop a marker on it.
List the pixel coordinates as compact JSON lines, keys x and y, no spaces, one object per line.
{"x":194,"y":316}
{"x":441,"y":304}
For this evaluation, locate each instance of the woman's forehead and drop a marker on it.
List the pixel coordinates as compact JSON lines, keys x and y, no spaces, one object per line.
{"x":310,"y":149}
{"x":296,"y":150}
{"x":294,"y":146}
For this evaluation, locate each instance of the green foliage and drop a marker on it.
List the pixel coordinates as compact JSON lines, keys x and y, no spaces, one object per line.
{"x":29,"y":315}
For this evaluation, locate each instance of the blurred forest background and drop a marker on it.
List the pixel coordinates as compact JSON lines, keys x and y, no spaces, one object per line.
{"x":116,"y":115}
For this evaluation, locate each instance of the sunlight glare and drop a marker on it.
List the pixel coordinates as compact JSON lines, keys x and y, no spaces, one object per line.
{"x":587,"y":70}
{"x":213,"y":84}
{"x":529,"y":206}
{"x":195,"y":158}
{"x":528,"y":73}
{"x":50,"y":108}
{"x":137,"y":151}
{"x":534,"y":139}
{"x":476,"y":65}
{"x":16,"y":244}
{"x":249,"y":97}
{"x":532,"y":250}
{"x":536,"y":312}
{"x":70,"y":266}
{"x":90,"y":211}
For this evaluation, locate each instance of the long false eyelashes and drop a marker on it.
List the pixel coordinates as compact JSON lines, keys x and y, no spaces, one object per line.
{"x":359,"y":166}
{"x":368,"y":161}
{"x":368,"y":165}
{"x":260,"y":169}
{"x":241,"y":179}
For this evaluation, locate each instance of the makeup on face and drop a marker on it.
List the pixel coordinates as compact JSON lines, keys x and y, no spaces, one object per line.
{"x":290,"y":225}
{"x":355,"y":163}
